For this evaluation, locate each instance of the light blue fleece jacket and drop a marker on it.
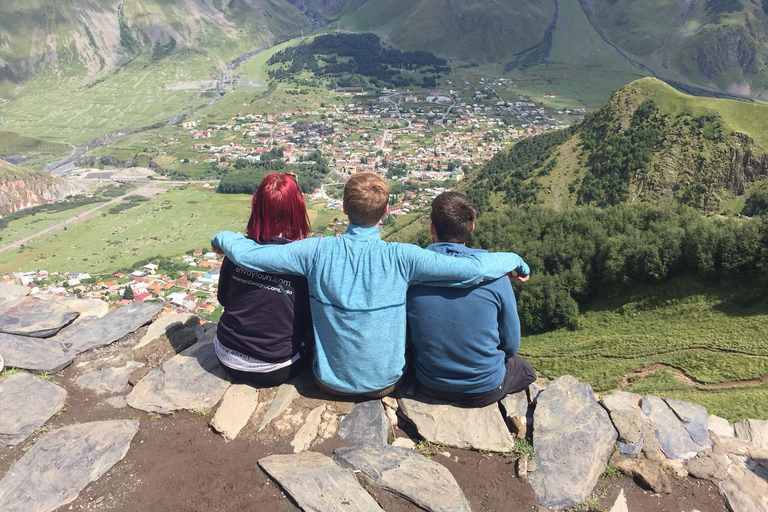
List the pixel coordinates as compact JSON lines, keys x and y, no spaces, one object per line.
{"x":357,"y":286}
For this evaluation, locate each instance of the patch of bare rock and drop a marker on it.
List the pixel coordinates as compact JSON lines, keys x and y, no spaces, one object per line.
{"x":573,"y":435}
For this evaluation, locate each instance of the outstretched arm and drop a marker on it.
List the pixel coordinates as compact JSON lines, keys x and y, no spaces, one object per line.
{"x":509,"y":321}
{"x":433,"y":269}
{"x":294,"y":258}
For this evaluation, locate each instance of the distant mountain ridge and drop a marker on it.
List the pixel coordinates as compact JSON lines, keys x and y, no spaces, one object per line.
{"x":649,"y":143}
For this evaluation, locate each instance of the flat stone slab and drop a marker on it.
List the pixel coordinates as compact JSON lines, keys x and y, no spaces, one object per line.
{"x":98,"y":332}
{"x":317,"y":484}
{"x":10,"y":291}
{"x":519,"y":413}
{"x":286,"y":394}
{"x":45,"y":355}
{"x":309,"y":430}
{"x":754,"y":431}
{"x":366,"y":424}
{"x":54,"y":471}
{"x":744,"y":490}
{"x":192,"y":379}
{"x":26,"y":403}
{"x":108,"y":380}
{"x":175,"y":329}
{"x":88,"y":308}
{"x":236,"y":408}
{"x":30,"y":316}
{"x":720,"y":427}
{"x":694,"y":419}
{"x":478,"y":429}
{"x":408,"y":474}
{"x":573,"y":437}
{"x":633,"y":426}
{"x":672,"y":434}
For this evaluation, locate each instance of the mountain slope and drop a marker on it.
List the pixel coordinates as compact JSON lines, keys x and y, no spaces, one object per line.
{"x":649,"y":143}
{"x":86,"y":36}
{"x":23,"y":188}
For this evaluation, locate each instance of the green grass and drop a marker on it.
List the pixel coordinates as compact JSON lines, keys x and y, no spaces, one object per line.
{"x":748,"y":118}
{"x":168,"y":225}
{"x":704,"y":335}
{"x":36,"y":152}
{"x":26,"y":226}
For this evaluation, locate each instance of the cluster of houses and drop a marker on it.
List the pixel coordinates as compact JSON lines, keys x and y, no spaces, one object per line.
{"x":366,"y":135}
{"x":193,"y":290}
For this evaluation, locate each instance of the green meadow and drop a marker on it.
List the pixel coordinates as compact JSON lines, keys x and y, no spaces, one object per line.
{"x":702,"y":342}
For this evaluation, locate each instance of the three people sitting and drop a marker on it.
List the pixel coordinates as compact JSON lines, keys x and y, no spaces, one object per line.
{"x":357,"y":288}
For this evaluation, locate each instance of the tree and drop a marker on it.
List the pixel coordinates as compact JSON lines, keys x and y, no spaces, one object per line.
{"x":128,"y":293}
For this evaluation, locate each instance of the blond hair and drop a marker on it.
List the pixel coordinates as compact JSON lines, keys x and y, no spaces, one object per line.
{"x":365,"y":198}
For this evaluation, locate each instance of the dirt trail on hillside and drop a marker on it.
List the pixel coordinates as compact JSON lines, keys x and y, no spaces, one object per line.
{"x":685,"y":379}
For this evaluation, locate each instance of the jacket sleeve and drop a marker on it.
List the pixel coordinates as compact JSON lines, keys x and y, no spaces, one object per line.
{"x":433,"y":269}
{"x":509,"y":321}
{"x":222,"y":292}
{"x":294,"y":258}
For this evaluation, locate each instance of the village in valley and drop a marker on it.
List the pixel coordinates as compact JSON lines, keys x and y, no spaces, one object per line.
{"x":423,"y":143}
{"x":188,"y":284}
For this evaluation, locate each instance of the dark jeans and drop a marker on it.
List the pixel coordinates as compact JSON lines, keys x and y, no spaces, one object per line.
{"x":519,"y":376}
{"x":371,"y":394}
{"x":267,"y":380}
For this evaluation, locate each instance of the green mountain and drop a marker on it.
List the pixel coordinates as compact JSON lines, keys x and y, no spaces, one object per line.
{"x":649,"y":143}
{"x":86,"y":36}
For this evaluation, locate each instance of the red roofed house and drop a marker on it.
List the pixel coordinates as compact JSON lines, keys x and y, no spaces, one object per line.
{"x":142,"y":297}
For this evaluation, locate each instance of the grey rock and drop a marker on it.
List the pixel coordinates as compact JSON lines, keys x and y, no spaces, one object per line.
{"x":478,"y":429}
{"x":118,"y":402}
{"x":719,"y":426}
{"x":98,"y":332}
{"x":404,"y":442}
{"x":408,"y":474}
{"x":10,"y":291}
{"x":317,"y":484}
{"x":694,"y":419}
{"x":88,"y":308}
{"x":45,"y":355}
{"x":108,"y":380}
{"x":26,"y":403}
{"x":744,"y":491}
{"x":519,"y":413}
{"x":708,"y":466}
{"x":192,"y":379}
{"x":753,"y":431}
{"x":30,"y":316}
{"x":673,"y":436}
{"x":573,"y":437}
{"x":54,"y":471}
{"x":308,"y":431}
{"x":236,"y":408}
{"x":534,"y":390}
{"x":650,"y":474}
{"x":176,"y":330}
{"x":628,"y":419}
{"x":366,"y":424}
{"x":286,"y":393}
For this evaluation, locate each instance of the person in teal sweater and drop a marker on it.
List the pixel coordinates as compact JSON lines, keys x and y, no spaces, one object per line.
{"x":358,"y":285}
{"x":464,"y":341}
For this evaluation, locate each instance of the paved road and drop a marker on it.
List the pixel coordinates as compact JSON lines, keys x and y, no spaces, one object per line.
{"x":146,"y":190}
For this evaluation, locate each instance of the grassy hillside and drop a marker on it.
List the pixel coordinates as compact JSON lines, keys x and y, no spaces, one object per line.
{"x":649,"y":143}
{"x":686,"y":339}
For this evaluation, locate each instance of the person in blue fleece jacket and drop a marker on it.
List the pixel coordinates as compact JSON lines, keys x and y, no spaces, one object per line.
{"x":464,"y":342}
{"x":357,"y":286}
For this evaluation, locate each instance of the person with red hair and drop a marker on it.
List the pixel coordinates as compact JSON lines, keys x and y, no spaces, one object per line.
{"x":265,"y":333}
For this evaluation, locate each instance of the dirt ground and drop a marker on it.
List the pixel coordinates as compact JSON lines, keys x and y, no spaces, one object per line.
{"x":176,"y":463}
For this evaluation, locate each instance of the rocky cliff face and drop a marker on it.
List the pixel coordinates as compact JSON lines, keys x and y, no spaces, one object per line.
{"x":24,"y":190}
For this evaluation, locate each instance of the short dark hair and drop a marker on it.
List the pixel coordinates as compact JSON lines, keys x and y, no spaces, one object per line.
{"x":453,"y":215}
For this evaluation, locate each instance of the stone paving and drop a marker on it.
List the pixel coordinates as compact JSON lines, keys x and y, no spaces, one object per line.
{"x":574,"y":436}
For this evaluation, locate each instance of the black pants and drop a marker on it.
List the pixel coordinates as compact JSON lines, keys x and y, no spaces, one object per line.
{"x":518,"y":377}
{"x":267,"y":380}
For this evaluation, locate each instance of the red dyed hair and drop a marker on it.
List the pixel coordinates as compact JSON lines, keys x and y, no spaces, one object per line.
{"x":278,"y":209}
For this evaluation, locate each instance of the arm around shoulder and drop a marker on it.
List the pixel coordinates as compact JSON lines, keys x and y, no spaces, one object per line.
{"x":293,"y":258}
